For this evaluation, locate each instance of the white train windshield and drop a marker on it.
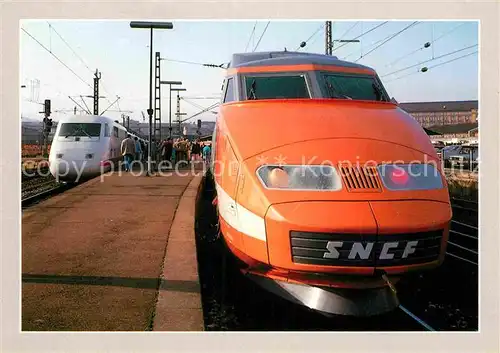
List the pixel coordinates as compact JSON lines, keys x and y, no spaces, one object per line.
{"x":80,"y":130}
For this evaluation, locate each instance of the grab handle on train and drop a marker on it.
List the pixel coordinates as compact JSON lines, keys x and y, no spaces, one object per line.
{"x":384,"y":276}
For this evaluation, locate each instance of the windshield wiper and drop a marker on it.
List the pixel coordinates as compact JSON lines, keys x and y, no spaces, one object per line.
{"x":334,"y":93}
{"x":252,"y":90}
{"x":74,"y":133}
{"x":378,"y":92}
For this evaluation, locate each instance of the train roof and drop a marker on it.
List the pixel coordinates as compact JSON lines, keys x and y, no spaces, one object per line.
{"x":86,"y":119}
{"x":271,"y":58}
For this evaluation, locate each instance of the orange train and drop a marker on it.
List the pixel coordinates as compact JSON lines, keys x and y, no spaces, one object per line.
{"x":326,"y":190}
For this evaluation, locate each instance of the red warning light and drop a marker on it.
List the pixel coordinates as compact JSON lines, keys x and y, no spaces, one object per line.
{"x":399,"y":176}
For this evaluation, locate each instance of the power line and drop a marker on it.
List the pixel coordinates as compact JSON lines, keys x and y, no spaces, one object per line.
{"x":251,"y":35}
{"x":55,"y":56}
{"x":345,"y":33}
{"x":373,"y":44}
{"x":362,"y":34}
{"x":262,"y":35}
{"x":193,"y":104}
{"x":67,"y":44}
{"x":422,"y":62}
{"x":201,"y":112}
{"x":406,"y":55}
{"x":79,"y":57}
{"x":312,"y":35}
{"x":387,"y":40}
{"x":449,"y":61}
{"x":450,"y":31}
{"x":221,"y":66}
{"x":434,"y":66}
{"x":424,"y":46}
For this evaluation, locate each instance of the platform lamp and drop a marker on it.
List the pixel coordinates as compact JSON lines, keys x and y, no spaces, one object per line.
{"x":151,"y":26}
{"x":178,"y":99}
{"x":170,"y":83}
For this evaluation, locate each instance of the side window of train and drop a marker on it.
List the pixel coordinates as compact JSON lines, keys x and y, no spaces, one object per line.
{"x":229,"y":95}
{"x":115,"y":131}
{"x":106,"y":130}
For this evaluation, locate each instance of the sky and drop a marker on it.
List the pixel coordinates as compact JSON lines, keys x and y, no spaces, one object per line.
{"x":122,"y":56}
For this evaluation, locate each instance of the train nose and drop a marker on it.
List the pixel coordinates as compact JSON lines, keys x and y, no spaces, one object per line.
{"x":357,"y":237}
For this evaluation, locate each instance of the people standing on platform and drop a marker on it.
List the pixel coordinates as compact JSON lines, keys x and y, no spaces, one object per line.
{"x":206,"y":153}
{"x":145,"y":154}
{"x":195,"y":151}
{"x":167,"y":150}
{"x":181,"y":150}
{"x":174,"y":151}
{"x":128,"y":151}
{"x":144,"y":151}
{"x":138,"y":149}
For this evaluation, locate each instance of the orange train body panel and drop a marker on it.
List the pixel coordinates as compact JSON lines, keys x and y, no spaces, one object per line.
{"x":336,"y":231}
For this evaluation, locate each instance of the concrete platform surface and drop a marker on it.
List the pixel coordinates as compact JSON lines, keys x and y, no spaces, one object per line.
{"x":93,"y":258}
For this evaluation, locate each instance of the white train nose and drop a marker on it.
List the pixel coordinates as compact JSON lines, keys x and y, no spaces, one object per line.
{"x":73,"y":170}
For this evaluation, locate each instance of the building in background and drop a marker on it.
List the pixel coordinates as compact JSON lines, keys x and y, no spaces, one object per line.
{"x":431,"y":114}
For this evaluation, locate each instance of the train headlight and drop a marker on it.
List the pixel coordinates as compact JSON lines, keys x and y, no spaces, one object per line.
{"x":300,"y":177}
{"x":410,"y":176}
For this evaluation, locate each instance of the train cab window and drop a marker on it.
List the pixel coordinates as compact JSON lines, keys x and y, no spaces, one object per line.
{"x":276,"y":87}
{"x":90,"y":130}
{"x":357,"y":87}
{"x":115,"y":131}
{"x":229,"y":96}
{"x":106,"y":130}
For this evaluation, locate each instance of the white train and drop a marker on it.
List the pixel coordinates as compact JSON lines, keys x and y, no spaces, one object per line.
{"x":84,"y":146}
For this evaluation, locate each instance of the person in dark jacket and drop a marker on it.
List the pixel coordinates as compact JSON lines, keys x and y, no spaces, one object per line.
{"x":168,"y":146}
{"x":195,"y":151}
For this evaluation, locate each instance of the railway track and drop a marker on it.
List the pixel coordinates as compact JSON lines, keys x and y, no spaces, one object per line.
{"x":42,"y":195}
{"x":448,"y":295}
{"x":464,"y":231}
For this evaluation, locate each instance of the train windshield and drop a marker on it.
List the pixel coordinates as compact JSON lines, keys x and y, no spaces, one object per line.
{"x":80,"y":130}
{"x":356,"y":87}
{"x":276,"y":87}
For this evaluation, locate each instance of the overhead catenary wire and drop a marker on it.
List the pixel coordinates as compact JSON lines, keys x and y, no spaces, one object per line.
{"x":201,"y":112}
{"x":74,"y":52}
{"x":312,"y":35}
{"x":423,"y":47}
{"x":387,"y":40}
{"x":345,"y":33}
{"x":452,"y":60}
{"x":434,"y":66}
{"x":57,"y":58}
{"x":221,"y":66}
{"x":450,"y":31}
{"x":362,"y":34}
{"x":51,"y":26}
{"x":425,"y":61}
{"x":373,"y":44}
{"x":193,"y":104}
{"x":69,"y":46}
{"x":261,"y":36}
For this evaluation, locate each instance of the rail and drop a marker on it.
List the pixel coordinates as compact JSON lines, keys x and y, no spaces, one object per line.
{"x":416,"y":318}
{"x":28,"y":201}
{"x":463,"y":232}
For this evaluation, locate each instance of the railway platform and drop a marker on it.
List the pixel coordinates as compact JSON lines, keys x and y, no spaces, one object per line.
{"x":116,"y":253}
